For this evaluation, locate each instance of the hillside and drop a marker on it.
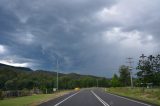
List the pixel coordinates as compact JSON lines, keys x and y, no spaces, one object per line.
{"x":3,"y":66}
{"x":13,"y":78}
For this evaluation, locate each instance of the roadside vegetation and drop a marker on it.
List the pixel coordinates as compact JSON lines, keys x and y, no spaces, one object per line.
{"x":19,"y":82}
{"x":148,"y":73}
{"x":33,"y":100}
{"x":148,"y":95}
{"x":146,"y":84}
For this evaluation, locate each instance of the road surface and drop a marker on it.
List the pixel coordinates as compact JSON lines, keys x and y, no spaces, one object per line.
{"x":92,"y":97}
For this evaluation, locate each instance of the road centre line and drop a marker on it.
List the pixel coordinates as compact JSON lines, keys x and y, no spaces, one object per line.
{"x":102,"y":101}
{"x":129,"y":99}
{"x":66,"y":99}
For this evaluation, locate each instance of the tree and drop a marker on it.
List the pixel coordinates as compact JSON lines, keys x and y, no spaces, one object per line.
{"x":156,"y":65}
{"x":103,"y":82}
{"x":124,"y":75}
{"x":149,"y":69}
{"x":115,"y":81}
{"x":11,"y":84}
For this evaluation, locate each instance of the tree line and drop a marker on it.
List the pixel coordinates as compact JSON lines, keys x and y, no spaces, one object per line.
{"x":13,"y":78}
{"x":148,"y":68}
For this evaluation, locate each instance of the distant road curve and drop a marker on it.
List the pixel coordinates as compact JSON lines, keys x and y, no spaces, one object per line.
{"x":92,"y":97}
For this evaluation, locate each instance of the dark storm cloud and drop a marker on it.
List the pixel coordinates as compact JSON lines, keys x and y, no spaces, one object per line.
{"x":87,"y":36}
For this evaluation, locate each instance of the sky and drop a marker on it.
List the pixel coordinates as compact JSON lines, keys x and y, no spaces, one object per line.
{"x":86,"y":36}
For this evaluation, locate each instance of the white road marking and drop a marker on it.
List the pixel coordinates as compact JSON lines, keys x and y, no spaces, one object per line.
{"x":129,"y":99}
{"x":102,"y":101}
{"x":66,"y":99}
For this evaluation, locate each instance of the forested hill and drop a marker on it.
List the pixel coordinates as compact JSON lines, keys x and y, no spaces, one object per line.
{"x":3,"y":66}
{"x":18,"y":78}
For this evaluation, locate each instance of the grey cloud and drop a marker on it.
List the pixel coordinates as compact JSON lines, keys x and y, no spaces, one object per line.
{"x":70,"y":31}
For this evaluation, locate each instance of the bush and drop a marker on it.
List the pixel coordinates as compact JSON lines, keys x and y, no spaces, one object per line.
{"x":25,"y":92}
{"x":1,"y":95}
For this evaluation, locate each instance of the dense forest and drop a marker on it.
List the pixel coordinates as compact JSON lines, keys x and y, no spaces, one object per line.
{"x":18,"y":78}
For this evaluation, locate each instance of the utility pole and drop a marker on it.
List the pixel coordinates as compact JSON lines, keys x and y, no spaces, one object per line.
{"x":97,"y":83}
{"x":144,"y":74}
{"x":57,"y":74}
{"x":130,"y":69}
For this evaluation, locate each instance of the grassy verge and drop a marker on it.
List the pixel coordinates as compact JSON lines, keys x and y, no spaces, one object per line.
{"x":149,"y":95}
{"x":31,"y":100}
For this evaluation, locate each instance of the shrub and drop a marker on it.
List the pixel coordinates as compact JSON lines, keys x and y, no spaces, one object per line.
{"x":1,"y":95}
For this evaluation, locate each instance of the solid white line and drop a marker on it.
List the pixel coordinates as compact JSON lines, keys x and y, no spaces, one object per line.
{"x":66,"y":99}
{"x":129,"y":99}
{"x":102,"y":101}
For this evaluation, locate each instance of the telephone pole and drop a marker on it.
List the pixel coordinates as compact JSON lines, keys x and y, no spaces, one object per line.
{"x":57,"y":74}
{"x":97,"y":83}
{"x":130,"y":69}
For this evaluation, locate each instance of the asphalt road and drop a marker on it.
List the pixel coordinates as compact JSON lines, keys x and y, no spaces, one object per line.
{"x":92,"y":97}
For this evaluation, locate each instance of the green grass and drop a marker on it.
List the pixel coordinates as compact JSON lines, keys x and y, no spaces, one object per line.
{"x":30,"y":100}
{"x":148,"y":95}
